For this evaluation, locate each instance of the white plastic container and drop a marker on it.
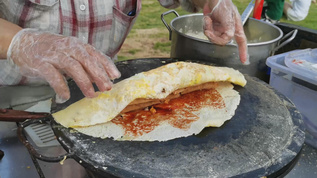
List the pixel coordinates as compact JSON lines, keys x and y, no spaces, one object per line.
{"x":299,"y":87}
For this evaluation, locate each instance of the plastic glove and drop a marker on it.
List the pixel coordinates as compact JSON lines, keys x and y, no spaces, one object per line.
{"x":222,"y":22}
{"x":49,"y":56}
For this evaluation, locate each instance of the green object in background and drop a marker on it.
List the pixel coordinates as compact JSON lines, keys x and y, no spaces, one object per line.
{"x":274,"y":9}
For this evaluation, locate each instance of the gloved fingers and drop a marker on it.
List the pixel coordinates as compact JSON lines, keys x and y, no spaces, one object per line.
{"x":220,"y":38}
{"x":206,"y":9}
{"x":218,"y":28}
{"x":241,"y":39}
{"x":98,"y":74}
{"x":93,"y":68}
{"x":75,"y":70}
{"x":223,"y":39}
{"x":55,"y":79}
{"x":53,"y":54}
{"x":107,"y":63}
{"x":243,"y":51}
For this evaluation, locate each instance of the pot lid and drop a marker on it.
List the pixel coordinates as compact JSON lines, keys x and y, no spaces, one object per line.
{"x":304,"y":63}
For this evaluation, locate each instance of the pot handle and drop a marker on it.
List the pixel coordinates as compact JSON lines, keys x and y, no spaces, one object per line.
{"x":293,"y":33}
{"x":11,"y":115}
{"x":166,"y":25}
{"x":31,"y":149}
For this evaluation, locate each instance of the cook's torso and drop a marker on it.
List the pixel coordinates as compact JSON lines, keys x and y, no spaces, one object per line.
{"x":102,"y":23}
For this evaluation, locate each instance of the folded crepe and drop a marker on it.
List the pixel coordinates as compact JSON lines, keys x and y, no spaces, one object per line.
{"x":175,"y":100}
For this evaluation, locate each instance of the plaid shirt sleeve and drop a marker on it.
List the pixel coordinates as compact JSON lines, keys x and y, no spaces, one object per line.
{"x":103,"y":23}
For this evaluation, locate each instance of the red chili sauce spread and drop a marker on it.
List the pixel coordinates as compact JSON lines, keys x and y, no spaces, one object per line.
{"x":178,"y":112}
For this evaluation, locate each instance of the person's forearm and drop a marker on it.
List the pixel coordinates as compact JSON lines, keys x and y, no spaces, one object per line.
{"x":7,"y":32}
{"x":170,"y":4}
{"x":201,"y":3}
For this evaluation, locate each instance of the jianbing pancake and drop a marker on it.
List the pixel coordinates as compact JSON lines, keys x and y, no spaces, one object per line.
{"x":183,"y":116}
{"x":154,"y":86}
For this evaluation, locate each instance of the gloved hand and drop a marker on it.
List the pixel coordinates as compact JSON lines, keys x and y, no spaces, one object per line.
{"x":222,"y":22}
{"x":50,"y":56}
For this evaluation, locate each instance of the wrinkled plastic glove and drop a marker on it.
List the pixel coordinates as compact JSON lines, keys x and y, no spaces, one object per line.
{"x":222,"y":22}
{"x":50,"y":56}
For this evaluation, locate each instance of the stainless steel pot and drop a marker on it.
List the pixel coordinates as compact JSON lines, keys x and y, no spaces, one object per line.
{"x":263,"y":40}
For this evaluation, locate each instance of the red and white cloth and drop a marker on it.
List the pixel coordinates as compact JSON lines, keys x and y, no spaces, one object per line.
{"x":102,"y":23}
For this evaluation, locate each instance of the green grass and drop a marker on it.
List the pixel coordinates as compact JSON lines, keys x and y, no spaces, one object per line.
{"x":163,"y":47}
{"x":309,"y":22}
{"x":150,"y":15}
{"x":123,"y":58}
{"x":133,"y":51}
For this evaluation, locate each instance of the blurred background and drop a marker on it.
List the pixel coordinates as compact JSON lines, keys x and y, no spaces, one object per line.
{"x":149,"y":37}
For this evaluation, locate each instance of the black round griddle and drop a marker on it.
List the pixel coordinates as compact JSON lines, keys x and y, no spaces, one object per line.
{"x":265,"y":134}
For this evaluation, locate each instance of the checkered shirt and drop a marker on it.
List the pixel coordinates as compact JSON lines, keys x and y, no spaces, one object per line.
{"x":102,"y":23}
